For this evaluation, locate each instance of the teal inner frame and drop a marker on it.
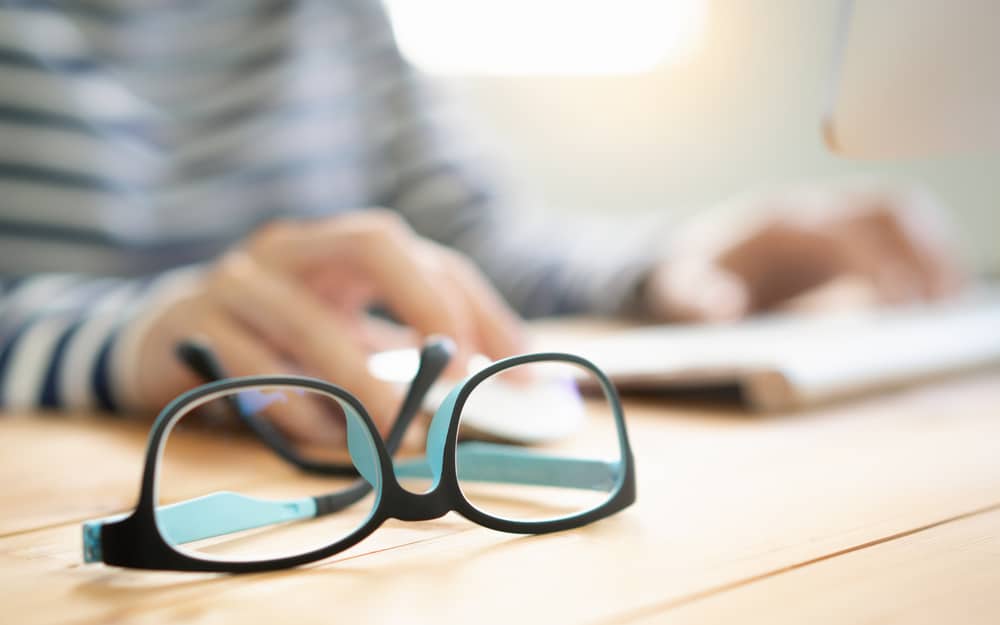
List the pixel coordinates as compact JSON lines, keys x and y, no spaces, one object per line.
{"x":226,"y":512}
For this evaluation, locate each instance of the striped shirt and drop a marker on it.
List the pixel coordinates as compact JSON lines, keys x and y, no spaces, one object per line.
{"x":138,"y":140}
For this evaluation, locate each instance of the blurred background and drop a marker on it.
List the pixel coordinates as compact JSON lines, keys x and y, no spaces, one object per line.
{"x":633,"y":106}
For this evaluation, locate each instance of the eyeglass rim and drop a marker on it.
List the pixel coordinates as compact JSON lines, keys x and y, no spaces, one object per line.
{"x":135,"y":541}
{"x":623,"y":490}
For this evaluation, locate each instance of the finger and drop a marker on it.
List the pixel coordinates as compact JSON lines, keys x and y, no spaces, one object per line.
{"x":380,"y":335}
{"x":384,"y":250}
{"x":243,"y":354}
{"x":842,"y":294}
{"x":697,"y":292}
{"x":776,"y":262}
{"x":296,"y":323}
{"x":789,"y":259}
{"x":498,"y":329}
{"x":340,"y":288}
{"x":867,"y":253}
{"x":922,"y":253}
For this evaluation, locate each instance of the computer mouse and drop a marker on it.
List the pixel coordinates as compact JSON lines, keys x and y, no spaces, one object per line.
{"x":533,"y":412}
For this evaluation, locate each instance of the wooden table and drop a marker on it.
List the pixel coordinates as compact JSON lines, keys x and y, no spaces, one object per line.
{"x":880,"y":510}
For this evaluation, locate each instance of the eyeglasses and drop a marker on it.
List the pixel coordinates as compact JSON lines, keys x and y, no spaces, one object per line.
{"x":246,"y":516}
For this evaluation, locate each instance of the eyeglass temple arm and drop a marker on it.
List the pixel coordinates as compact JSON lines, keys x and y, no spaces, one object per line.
{"x":226,"y":512}
{"x":434,"y":357}
{"x":509,"y":464}
{"x":202,"y":360}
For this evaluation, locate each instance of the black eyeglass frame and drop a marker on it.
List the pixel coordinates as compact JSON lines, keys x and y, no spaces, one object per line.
{"x":136,"y":541}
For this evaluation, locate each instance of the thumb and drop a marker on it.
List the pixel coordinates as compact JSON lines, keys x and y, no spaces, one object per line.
{"x":696,"y":291}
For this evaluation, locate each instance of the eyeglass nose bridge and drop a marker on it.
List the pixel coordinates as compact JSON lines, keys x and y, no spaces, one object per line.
{"x":409,"y":506}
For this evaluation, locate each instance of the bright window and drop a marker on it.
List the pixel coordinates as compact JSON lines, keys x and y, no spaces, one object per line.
{"x":546,"y":36}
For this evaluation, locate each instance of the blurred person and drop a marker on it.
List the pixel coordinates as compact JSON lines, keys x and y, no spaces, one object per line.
{"x":210,"y":169}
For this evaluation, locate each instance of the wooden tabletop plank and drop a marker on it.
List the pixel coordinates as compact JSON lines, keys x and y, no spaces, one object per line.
{"x":56,"y":469}
{"x":948,"y":573}
{"x":722,"y":498}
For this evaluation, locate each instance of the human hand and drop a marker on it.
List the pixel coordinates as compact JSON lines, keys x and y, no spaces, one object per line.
{"x":892,"y":240}
{"x":294,"y":298}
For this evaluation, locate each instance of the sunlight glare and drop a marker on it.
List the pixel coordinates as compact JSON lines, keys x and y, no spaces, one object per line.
{"x":557,"y":37}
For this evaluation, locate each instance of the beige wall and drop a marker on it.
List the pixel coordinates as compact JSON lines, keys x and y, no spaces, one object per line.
{"x":743,"y":112}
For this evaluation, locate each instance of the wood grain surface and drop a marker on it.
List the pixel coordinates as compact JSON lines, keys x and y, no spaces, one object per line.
{"x":883,"y":510}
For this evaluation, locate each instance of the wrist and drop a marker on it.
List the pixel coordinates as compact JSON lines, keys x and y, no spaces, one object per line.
{"x":129,"y":367}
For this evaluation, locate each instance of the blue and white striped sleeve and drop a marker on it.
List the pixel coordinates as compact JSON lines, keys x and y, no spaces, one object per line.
{"x":67,"y":341}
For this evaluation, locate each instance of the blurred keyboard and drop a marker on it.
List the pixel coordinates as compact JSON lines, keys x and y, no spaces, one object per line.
{"x":789,"y":361}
